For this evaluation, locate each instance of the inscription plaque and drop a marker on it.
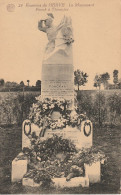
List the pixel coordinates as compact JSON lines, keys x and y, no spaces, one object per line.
{"x":58,"y":81}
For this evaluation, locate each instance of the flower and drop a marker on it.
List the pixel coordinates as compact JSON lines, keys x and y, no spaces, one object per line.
{"x":53,"y":125}
{"x":45,"y":106}
{"x":51,"y":106}
{"x":59,"y":123}
{"x":40,"y":113}
{"x":62,"y":107}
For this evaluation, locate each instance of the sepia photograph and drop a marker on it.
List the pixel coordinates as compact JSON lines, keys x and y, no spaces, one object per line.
{"x":60,"y":97}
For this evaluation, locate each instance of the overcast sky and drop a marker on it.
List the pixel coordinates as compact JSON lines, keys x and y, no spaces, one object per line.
{"x":97,"y":36}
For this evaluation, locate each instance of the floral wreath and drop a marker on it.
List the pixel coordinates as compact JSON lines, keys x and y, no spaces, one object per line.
{"x":41,"y":111}
{"x":29,"y":132}
{"x":87,"y":124}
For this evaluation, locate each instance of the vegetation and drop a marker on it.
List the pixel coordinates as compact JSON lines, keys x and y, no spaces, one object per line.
{"x":2,"y":82}
{"x":97,"y":81}
{"x":15,"y":107}
{"x":38,"y":83}
{"x":22,"y":84}
{"x":80,"y":78}
{"x":101,"y":79}
{"x":13,"y":86}
{"x":100,"y":107}
{"x":28,"y":81}
{"x":114,"y":103}
{"x":115,"y":77}
{"x":106,"y":139}
{"x":58,"y":157}
{"x":104,"y":78}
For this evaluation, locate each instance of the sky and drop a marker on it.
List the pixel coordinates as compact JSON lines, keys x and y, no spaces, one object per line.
{"x":96,"y":29}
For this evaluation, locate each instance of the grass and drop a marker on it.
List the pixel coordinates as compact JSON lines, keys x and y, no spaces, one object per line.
{"x":107,"y":138}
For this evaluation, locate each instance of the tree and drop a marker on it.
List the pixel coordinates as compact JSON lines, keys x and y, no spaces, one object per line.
{"x":38,"y":83}
{"x":2,"y":82}
{"x":115,"y":77}
{"x":11,"y":84}
{"x":80,"y":78}
{"x":22,"y":84}
{"x":101,"y":79}
{"x":28,"y":82}
{"x":97,"y":81}
{"x":119,"y":84}
{"x":104,"y":79}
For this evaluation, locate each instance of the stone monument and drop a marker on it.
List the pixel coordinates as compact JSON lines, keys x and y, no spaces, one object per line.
{"x":57,"y":66}
{"x":57,"y":91}
{"x":58,"y":81}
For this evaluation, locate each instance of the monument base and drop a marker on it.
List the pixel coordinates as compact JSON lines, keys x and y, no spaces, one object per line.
{"x":76,"y":135}
{"x":74,"y":182}
{"x":94,"y":172}
{"x":80,"y":134}
{"x":30,"y":182}
{"x":60,"y":182}
{"x":20,"y":168}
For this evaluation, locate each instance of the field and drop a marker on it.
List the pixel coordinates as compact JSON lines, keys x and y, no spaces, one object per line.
{"x":4,"y":95}
{"x":107,"y":93}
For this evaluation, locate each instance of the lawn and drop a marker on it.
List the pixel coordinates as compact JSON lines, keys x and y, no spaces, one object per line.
{"x":108,"y":138}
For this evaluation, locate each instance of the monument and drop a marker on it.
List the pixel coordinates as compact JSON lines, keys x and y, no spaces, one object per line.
{"x":57,"y":67}
{"x":54,"y":113}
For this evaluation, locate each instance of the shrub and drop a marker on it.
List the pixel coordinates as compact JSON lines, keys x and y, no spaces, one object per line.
{"x":46,"y":158}
{"x":15,"y":108}
{"x":114,"y":103}
{"x":85,"y":104}
{"x":99,"y":108}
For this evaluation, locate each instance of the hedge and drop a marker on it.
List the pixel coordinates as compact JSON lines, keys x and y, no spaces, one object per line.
{"x":100,"y":107}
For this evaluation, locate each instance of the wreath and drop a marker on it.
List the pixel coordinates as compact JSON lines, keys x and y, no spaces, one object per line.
{"x":87,"y":124}
{"x":29,"y":132}
{"x":41,"y":114}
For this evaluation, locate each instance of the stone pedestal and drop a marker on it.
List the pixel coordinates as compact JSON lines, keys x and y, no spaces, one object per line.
{"x":93,"y":172}
{"x":19,"y":167}
{"x":30,"y":182}
{"x":76,"y":135}
{"x":92,"y":175}
{"x":74,"y":182}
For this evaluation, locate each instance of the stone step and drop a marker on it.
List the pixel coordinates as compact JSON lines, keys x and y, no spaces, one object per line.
{"x":74,"y":182}
{"x":29,"y":182}
{"x":59,"y":182}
